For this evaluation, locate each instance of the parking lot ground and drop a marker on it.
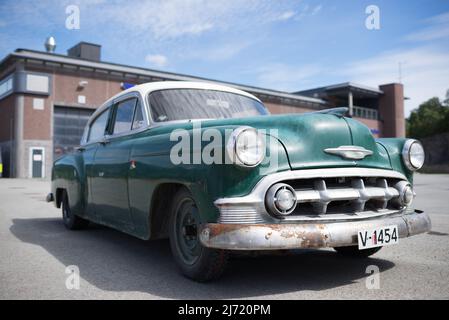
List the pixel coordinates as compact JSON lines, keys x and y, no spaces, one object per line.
{"x":35,"y":250}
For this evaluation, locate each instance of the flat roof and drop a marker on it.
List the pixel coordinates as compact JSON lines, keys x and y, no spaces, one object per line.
{"x":343,"y":86}
{"x":126,"y":69}
{"x":354,"y":85}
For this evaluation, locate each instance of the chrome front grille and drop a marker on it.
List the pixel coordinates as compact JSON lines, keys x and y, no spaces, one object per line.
{"x":328,"y":194}
{"x":353,"y":194}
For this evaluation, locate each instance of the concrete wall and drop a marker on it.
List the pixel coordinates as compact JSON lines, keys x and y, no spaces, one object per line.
{"x":437,"y":153}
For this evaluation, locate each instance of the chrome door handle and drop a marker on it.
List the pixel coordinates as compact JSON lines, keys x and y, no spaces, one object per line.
{"x":104,"y":142}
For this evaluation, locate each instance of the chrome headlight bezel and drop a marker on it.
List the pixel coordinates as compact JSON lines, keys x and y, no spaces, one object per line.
{"x":232,"y":147}
{"x":406,"y":194}
{"x":271,"y":199}
{"x":407,"y":156}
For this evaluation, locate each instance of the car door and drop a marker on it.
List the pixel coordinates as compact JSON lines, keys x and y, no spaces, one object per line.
{"x":94,"y":133}
{"x":112,"y":164}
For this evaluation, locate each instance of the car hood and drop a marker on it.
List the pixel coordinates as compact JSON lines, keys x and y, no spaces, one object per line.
{"x":306,"y":136}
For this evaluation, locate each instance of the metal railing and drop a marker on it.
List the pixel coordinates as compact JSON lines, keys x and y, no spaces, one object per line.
{"x":367,"y":113}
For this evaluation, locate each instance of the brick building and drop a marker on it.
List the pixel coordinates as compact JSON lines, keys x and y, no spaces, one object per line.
{"x":46,"y":99}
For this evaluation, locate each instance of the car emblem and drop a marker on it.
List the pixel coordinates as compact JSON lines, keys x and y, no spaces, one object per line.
{"x":349,"y":152}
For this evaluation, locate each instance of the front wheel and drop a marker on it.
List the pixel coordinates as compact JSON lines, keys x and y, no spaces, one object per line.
{"x":71,"y":221}
{"x":354,"y":252}
{"x":195,"y":261}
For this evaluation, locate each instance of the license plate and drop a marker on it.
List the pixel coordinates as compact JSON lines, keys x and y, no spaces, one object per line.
{"x":378,"y":237}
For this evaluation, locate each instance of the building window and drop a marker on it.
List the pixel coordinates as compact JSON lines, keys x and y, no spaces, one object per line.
{"x":6,"y":86}
{"x":365,"y":113}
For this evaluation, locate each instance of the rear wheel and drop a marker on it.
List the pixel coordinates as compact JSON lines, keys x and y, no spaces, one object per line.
{"x":354,"y":252}
{"x":195,"y":261}
{"x":71,"y":221}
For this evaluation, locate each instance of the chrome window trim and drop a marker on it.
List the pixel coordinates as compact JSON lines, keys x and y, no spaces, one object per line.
{"x":110,"y":104}
{"x":89,"y":123}
{"x":150,"y":123}
{"x":130,"y":95}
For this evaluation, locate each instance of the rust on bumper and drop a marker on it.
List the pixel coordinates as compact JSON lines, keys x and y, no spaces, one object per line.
{"x":305,"y":235}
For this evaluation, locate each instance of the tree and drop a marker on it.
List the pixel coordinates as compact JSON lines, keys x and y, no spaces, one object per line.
{"x":431,"y":117}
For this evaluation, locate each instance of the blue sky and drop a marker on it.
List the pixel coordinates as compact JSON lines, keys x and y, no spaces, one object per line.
{"x":284,"y":45}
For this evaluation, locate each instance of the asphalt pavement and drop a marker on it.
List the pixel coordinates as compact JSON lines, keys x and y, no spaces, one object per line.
{"x":36,"y":249}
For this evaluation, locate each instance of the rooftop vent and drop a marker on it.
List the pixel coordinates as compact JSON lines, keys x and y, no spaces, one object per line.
{"x":85,"y":50}
{"x":50,"y":44}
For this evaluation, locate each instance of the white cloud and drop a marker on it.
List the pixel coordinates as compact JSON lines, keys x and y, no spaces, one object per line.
{"x":286,"y":15}
{"x":218,"y":52}
{"x":157,"y":60}
{"x":176,"y":18}
{"x":316,"y":9}
{"x":425,"y":72}
{"x":308,"y":11}
{"x":160,"y":19}
{"x":285,"y":77}
{"x":438,"y":28}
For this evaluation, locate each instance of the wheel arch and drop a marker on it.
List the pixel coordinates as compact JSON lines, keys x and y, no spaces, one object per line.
{"x":159,"y":216}
{"x":68,"y":175}
{"x":58,"y":196}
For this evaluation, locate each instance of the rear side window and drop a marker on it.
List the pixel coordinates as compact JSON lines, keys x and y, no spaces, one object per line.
{"x":98,"y":126}
{"x":124,"y":116}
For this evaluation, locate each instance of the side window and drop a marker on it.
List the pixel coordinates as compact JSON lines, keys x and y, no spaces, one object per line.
{"x":97,"y":127}
{"x":138,"y":121}
{"x":124,"y":116}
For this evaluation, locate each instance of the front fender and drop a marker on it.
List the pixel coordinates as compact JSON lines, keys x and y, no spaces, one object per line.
{"x":394,"y":148}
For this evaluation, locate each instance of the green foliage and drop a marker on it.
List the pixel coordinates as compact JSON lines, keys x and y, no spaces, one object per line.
{"x":431,"y":117}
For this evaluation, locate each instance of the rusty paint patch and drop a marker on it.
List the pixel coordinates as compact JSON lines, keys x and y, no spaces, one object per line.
{"x":304,"y":235}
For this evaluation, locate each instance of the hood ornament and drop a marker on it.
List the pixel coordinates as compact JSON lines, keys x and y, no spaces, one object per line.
{"x":350,"y":152}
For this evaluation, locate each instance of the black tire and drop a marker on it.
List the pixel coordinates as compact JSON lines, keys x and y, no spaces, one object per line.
{"x":71,"y":221}
{"x":354,"y":252}
{"x":194,"y":260}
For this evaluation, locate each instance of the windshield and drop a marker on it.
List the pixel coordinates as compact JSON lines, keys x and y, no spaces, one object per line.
{"x":186,"y":104}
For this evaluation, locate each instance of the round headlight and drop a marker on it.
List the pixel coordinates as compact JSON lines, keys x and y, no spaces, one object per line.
{"x":281,"y":199}
{"x":413,"y":154}
{"x":246,"y":147}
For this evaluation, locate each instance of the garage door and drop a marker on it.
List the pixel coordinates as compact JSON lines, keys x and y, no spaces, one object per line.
{"x":68,"y":127}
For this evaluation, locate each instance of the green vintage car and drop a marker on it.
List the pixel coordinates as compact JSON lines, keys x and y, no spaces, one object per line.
{"x":209,"y":168}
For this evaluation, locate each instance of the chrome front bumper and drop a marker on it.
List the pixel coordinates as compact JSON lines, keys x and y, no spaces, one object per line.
{"x":306,"y":234}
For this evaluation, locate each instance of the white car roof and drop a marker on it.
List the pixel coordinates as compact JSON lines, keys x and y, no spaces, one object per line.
{"x":146,"y":88}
